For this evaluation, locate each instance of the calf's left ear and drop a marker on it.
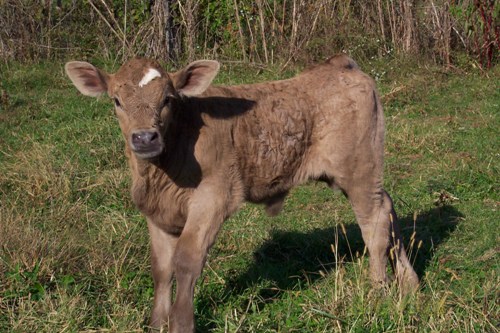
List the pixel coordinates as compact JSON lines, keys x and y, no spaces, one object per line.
{"x":88,"y":79}
{"x":195,"y":78}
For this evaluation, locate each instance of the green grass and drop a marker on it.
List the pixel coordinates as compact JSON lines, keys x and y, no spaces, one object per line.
{"x":74,"y":252}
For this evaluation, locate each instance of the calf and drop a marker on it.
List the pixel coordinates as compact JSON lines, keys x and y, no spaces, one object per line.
{"x":197,"y":152}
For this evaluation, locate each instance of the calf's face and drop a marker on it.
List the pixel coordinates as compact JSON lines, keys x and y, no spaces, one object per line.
{"x":143,"y":94}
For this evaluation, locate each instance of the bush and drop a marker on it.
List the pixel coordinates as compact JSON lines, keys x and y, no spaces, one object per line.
{"x":263,"y":31}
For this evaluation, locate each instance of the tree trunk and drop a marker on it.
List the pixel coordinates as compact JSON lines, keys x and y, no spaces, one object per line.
{"x":170,"y":32}
{"x":191,"y":9}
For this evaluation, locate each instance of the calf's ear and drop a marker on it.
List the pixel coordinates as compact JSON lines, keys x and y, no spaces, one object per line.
{"x":195,"y":78}
{"x":88,"y":79}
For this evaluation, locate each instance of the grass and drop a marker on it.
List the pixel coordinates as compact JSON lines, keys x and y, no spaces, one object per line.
{"x":74,"y":252}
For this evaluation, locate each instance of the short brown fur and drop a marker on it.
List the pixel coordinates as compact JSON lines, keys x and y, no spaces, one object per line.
{"x":197,"y":152}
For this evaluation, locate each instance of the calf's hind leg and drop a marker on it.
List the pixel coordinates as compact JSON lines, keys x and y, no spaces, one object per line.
{"x":378,"y":222}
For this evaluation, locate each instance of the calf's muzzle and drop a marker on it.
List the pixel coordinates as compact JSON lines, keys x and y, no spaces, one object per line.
{"x":146,"y":143}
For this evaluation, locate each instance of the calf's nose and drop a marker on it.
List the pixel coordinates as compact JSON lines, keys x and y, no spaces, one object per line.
{"x":146,"y":144}
{"x":144,"y":139}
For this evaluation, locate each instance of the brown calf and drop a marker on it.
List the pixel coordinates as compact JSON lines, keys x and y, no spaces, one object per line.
{"x":197,"y":152}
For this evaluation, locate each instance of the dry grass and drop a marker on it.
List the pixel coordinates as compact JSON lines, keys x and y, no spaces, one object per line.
{"x":59,"y":249}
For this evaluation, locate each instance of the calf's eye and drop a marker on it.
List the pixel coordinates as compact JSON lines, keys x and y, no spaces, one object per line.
{"x":117,"y":102}
{"x":166,"y":101}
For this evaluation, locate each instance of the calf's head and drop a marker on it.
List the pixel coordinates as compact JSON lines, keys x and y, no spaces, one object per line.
{"x":144,"y":95}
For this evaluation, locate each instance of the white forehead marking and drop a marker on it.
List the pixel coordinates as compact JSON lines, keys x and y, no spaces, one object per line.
{"x":150,"y":76}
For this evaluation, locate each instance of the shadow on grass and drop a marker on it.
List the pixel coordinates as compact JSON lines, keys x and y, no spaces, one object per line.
{"x":291,"y":259}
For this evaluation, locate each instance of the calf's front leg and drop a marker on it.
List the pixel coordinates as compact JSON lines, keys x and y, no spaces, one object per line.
{"x":206,"y":214}
{"x":162,"y":252}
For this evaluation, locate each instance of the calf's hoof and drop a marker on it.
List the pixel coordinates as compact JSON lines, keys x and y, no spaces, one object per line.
{"x":408,"y":281}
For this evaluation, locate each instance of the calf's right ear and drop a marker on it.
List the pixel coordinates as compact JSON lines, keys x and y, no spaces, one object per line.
{"x":195,"y":78}
{"x":88,"y":79}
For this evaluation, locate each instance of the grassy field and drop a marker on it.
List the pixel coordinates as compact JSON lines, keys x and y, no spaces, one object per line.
{"x":74,"y":252}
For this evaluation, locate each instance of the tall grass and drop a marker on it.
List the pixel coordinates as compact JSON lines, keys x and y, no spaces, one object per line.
{"x":265,"y":31}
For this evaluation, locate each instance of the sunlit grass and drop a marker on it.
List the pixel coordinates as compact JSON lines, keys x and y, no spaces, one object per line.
{"x":74,"y":252}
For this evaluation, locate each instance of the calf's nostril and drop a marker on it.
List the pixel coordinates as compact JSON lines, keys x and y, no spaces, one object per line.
{"x":154,"y":136}
{"x":136,"y":138}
